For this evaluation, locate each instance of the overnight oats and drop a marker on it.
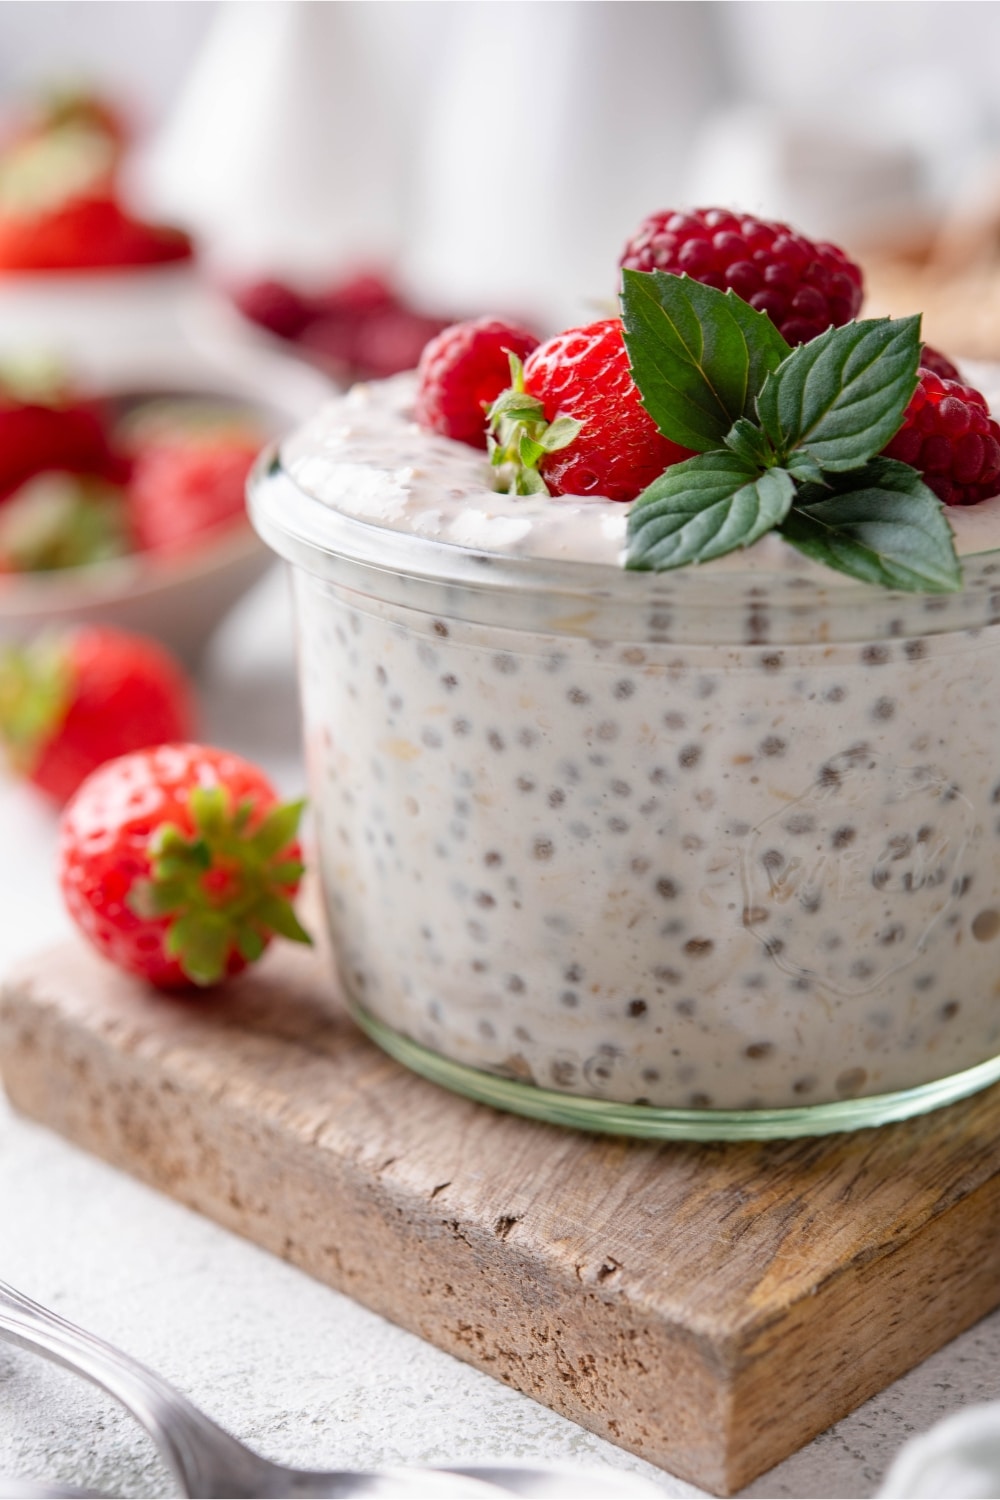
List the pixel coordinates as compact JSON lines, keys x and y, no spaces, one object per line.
{"x":671,"y":850}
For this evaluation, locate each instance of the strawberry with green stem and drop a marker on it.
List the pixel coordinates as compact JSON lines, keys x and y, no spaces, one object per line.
{"x":70,"y":701}
{"x":46,"y":427}
{"x":572,"y":421}
{"x":179,"y":864}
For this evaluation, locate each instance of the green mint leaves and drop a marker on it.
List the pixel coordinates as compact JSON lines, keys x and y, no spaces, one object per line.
{"x":877,"y":524}
{"x":698,"y":356}
{"x":842,"y":396}
{"x":519,"y":435}
{"x":785,"y":440}
{"x":706,"y":506}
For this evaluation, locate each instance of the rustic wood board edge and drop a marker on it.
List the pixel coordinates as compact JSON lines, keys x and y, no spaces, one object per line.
{"x":716,"y":1402}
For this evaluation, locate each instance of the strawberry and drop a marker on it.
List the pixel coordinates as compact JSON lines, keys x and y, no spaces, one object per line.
{"x":86,"y":234}
{"x":186,"y":485}
{"x":77,"y":108}
{"x":57,"y":433}
{"x":573,"y":423}
{"x":69,"y":703}
{"x":178,"y":863}
{"x":59,"y":209}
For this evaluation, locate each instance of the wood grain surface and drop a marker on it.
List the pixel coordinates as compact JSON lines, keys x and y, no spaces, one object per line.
{"x":709,"y":1307}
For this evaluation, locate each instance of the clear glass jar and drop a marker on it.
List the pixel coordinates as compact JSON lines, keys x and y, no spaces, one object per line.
{"x":689,"y":855}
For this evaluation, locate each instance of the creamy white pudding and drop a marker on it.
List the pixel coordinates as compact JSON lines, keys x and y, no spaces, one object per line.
{"x":720,"y":839}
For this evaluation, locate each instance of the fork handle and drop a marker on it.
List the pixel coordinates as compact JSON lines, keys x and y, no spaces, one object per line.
{"x":185,"y":1437}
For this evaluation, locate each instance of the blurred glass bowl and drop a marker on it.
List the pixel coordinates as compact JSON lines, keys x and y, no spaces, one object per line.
{"x":177,"y":598}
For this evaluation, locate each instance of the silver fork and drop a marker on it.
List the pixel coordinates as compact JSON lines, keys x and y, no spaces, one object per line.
{"x":207,"y":1462}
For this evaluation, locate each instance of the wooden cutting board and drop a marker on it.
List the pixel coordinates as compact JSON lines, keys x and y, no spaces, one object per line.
{"x":711,"y":1308}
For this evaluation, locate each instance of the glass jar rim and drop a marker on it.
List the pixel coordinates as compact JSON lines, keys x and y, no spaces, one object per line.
{"x":812,"y":605}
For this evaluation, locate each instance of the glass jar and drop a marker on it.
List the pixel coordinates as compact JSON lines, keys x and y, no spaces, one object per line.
{"x":705,"y":854}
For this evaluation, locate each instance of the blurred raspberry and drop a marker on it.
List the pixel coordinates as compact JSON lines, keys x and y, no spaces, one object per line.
{"x":358,"y":328}
{"x":358,"y":296}
{"x":393,"y":340}
{"x":275,"y":306}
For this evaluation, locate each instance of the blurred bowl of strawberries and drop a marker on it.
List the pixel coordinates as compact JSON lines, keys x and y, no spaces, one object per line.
{"x":77,"y":262}
{"x":126,"y":505}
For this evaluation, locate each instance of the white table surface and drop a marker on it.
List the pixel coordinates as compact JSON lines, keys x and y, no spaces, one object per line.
{"x":290,"y":1366}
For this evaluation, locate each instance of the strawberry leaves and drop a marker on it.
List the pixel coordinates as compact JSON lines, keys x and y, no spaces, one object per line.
{"x":223,"y":886}
{"x":36,"y":689}
{"x":520,"y":435}
{"x":787,"y":440}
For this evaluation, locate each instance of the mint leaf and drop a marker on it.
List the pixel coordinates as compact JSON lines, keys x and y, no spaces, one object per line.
{"x":880,"y":524}
{"x":699,"y":356}
{"x":803,"y":467}
{"x":704,"y":507}
{"x":842,"y":396}
{"x":750,"y":443}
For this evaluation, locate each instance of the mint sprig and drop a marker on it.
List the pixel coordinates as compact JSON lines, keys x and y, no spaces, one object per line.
{"x":786,"y":440}
{"x":709,"y":505}
{"x":698,"y":356}
{"x":881,"y":524}
{"x":519,"y":435}
{"x":842,"y":396}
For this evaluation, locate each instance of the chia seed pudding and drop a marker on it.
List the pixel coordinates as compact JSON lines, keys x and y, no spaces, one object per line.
{"x":724,"y":839}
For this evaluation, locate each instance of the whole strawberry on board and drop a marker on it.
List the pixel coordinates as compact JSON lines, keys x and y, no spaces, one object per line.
{"x":179,"y":864}
{"x":72,"y":701}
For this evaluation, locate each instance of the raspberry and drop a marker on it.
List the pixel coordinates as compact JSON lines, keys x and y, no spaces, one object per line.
{"x":391,"y":340}
{"x":360,"y":295}
{"x":462,"y":371}
{"x":949,"y":435}
{"x":584,"y":373}
{"x":803,"y":287}
{"x":275,"y":306}
{"x":933,"y":359}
